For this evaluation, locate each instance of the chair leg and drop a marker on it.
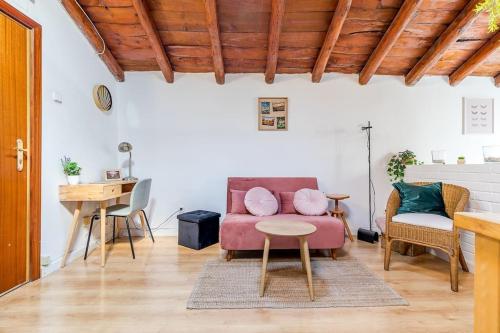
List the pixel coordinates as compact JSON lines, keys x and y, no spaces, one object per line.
{"x":88,"y":238}
{"x":147,"y":223}
{"x":463,"y":263}
{"x":130,"y":238}
{"x":454,"y":272}
{"x":114,"y":227}
{"x":229,"y":255}
{"x":334,"y":254}
{"x":388,"y":252}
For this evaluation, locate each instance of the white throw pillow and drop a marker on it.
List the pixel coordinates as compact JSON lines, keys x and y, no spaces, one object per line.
{"x":310,"y":202}
{"x":261,"y":202}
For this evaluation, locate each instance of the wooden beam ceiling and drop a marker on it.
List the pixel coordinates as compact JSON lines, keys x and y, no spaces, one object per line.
{"x":213,"y":30}
{"x":404,"y":16}
{"x":154,"y":38}
{"x":475,"y":60}
{"x":89,"y":31}
{"x":497,"y":80}
{"x":443,"y":43}
{"x":331,"y":38}
{"x":277,"y":13}
{"x":378,"y":37}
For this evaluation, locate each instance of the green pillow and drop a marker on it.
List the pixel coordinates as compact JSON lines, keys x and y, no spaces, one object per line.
{"x":421,"y":199}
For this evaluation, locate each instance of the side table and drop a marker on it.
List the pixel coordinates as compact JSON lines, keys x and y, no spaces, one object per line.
{"x":339,"y":213}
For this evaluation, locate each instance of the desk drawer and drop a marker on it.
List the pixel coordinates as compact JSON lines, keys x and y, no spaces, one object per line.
{"x":89,"y":192}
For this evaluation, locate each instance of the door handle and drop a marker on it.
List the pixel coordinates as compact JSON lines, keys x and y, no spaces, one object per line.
{"x":20,"y":154}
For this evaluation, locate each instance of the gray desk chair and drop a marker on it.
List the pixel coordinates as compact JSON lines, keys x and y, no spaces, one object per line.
{"x":139,"y":199}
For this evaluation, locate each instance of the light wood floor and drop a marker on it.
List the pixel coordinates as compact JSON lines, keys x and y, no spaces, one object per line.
{"x":150,"y":294}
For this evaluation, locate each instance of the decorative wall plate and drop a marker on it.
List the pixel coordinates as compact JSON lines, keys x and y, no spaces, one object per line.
{"x":102,"y":97}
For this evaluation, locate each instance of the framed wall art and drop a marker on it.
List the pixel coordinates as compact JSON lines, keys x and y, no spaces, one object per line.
{"x":273,"y":114}
{"x":478,"y":116}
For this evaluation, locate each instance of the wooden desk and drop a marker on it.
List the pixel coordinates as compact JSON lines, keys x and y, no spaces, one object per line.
{"x":93,"y":192}
{"x":487,"y":268}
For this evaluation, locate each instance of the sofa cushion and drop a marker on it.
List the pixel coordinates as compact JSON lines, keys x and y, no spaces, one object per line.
{"x":261,"y":202}
{"x":287,"y":206}
{"x":238,"y":232}
{"x":238,"y":200}
{"x":425,"y":220}
{"x":310,"y":202}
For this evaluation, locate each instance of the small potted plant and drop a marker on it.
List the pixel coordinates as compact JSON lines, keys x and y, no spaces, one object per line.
{"x":71,"y":170}
{"x":397,"y":164}
{"x":461,"y":160}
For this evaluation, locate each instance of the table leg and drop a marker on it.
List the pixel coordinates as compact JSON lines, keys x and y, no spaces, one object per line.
{"x":346,"y":226}
{"x":71,"y":234}
{"x":103,"y":232}
{"x":264,"y":265}
{"x":304,"y":246}
{"x":487,"y":285}
{"x":302,"y":258}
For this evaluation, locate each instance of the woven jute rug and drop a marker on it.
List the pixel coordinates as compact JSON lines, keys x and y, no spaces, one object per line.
{"x":342,"y":283}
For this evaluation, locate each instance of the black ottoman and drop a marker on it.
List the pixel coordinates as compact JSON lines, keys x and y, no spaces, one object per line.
{"x":198,"y":229}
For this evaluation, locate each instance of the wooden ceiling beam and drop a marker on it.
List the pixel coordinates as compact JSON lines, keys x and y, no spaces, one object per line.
{"x":213,"y":30}
{"x":277,"y":13}
{"x":90,"y":32}
{"x":338,"y":19}
{"x":154,"y":38}
{"x":404,"y":16}
{"x":497,"y":80}
{"x":475,"y":60}
{"x":443,"y":43}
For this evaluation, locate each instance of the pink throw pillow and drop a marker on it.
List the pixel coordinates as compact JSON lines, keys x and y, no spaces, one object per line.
{"x":310,"y":202}
{"x":261,"y":202}
{"x":287,"y":206}
{"x":238,"y":202}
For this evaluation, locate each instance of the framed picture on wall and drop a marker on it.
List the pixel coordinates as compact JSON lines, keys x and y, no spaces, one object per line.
{"x":273,"y":114}
{"x":478,"y":116}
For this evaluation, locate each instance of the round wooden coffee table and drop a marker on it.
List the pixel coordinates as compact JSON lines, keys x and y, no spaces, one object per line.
{"x":284,"y":228}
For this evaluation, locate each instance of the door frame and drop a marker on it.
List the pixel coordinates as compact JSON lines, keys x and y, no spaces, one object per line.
{"x":35,"y":133}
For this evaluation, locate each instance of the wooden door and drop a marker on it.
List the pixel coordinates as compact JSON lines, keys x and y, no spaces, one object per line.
{"x":14,"y":181}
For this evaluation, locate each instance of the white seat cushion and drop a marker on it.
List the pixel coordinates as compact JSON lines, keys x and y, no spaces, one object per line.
{"x":425,"y":220}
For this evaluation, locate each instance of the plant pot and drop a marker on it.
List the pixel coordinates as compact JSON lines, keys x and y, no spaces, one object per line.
{"x":73,"y":180}
{"x":461,"y":161}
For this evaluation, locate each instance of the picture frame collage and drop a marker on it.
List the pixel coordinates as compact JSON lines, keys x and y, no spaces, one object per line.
{"x":273,"y":113}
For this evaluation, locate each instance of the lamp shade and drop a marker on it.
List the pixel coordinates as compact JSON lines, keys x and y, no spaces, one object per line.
{"x":124,"y":147}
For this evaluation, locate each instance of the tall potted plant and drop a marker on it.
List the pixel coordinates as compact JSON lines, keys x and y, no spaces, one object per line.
{"x":398,"y":163}
{"x":71,"y":170}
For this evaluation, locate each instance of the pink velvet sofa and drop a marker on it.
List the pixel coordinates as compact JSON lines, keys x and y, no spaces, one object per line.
{"x":238,"y":230}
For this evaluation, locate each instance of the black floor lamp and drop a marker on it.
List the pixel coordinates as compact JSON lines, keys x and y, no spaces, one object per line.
{"x":365,"y":234}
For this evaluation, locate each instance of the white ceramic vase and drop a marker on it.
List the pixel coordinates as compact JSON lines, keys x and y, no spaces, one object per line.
{"x":73,"y":180}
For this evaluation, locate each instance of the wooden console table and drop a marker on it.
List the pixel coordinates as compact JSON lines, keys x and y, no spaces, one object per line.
{"x":487,"y":268}
{"x":93,"y":192}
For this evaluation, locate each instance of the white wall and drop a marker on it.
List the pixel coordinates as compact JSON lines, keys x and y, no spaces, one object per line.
{"x":75,"y":128}
{"x":191,"y":135}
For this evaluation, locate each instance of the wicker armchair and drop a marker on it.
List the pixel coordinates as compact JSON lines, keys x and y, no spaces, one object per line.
{"x":455,"y":198}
